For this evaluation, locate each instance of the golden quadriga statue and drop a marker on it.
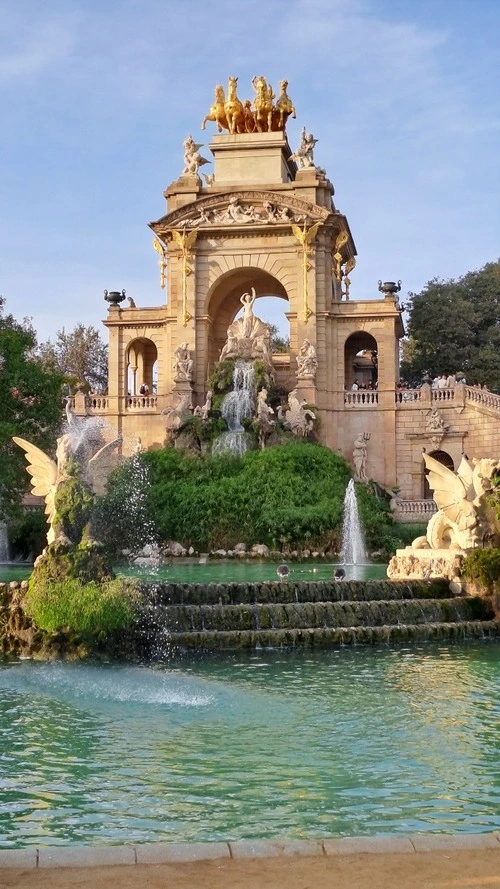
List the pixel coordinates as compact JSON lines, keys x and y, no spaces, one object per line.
{"x":260,"y":115}
{"x":463,"y":522}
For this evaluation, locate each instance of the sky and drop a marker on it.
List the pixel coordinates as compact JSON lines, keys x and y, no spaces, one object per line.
{"x":97,"y":96}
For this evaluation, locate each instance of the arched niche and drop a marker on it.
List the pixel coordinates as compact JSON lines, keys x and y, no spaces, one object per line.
{"x":441,"y":457}
{"x":141,"y":359}
{"x":223,"y":301}
{"x":360,"y":360}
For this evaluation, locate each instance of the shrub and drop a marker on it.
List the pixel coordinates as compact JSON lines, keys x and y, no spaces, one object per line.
{"x":289,"y":496}
{"x":87,"y":608}
{"x":28,"y":534}
{"x":483,"y":567}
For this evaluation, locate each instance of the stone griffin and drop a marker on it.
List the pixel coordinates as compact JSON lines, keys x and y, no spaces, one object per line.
{"x":464,"y":519}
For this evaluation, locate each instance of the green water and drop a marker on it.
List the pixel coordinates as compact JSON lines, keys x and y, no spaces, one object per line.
{"x":273,"y":744}
{"x":223,"y":571}
{"x":235,"y":570}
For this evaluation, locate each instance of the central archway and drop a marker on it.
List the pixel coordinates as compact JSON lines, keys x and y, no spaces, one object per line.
{"x":223,"y":302}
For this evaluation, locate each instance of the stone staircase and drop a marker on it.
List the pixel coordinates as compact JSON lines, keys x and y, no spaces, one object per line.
{"x":289,"y":614}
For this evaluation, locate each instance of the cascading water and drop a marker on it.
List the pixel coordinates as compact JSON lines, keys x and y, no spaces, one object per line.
{"x":4,"y":543}
{"x":237,"y":405}
{"x":353,"y":544}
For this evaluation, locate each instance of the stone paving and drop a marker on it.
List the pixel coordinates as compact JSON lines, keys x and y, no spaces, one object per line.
{"x":167,"y":853}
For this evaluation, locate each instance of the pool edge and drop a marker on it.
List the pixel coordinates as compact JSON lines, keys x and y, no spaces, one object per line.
{"x":46,"y":857}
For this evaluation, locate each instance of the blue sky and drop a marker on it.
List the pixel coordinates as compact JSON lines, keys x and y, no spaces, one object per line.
{"x":97,"y":97}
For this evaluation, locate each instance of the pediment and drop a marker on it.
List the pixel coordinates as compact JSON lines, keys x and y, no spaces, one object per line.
{"x":242,"y":209}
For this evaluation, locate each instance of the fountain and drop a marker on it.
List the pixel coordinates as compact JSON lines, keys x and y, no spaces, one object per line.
{"x":4,"y":543}
{"x":237,"y":405}
{"x":353,"y":545}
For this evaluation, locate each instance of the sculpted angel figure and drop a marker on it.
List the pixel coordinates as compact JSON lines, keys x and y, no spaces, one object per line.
{"x":192,"y":158}
{"x":304,"y":155}
{"x":47,"y":475}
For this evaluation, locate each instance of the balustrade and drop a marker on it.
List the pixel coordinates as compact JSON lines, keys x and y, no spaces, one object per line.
{"x":360,"y":398}
{"x":483,"y":397}
{"x":407,"y":396}
{"x":413,"y":510}
{"x":443,"y":395}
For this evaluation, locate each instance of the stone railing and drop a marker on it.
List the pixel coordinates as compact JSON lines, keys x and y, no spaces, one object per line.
{"x":443,"y":396}
{"x":413,"y":510}
{"x":360,"y":398}
{"x":482,"y":397}
{"x":408,"y":396}
{"x":96,"y":403}
{"x":141,"y":403}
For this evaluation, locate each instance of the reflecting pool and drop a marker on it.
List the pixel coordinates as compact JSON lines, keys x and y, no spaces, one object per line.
{"x":223,"y":571}
{"x":268,"y":744}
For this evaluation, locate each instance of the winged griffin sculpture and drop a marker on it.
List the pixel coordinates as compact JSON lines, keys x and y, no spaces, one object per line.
{"x":72,"y":459}
{"x":464,"y":519}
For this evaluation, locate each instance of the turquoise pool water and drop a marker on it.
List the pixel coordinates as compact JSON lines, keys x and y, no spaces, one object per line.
{"x":225,"y":571}
{"x":341,"y":742}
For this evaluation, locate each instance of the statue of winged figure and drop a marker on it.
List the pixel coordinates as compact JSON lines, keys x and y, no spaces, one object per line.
{"x":47,"y":474}
{"x":464,"y":519}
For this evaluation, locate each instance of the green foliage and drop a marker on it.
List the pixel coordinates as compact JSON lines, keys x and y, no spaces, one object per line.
{"x":287,"y":497}
{"x":483,"y":567}
{"x":61,"y":561}
{"x":74,"y":502}
{"x":87,"y":608}
{"x":80,"y":356}
{"x":27,"y":533}
{"x":122,"y":517}
{"x":199,"y":434}
{"x":454,"y":326}
{"x":221,"y":378}
{"x":30,"y":406}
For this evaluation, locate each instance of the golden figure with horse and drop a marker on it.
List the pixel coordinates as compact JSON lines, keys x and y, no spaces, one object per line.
{"x":262,"y":115}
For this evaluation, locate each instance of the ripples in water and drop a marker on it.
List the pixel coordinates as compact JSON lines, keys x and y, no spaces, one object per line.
{"x":340,"y":742}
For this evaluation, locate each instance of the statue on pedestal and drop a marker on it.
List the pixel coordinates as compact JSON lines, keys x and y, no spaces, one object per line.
{"x":192,"y":158}
{"x":183,"y":364}
{"x":307,"y":362}
{"x":248,"y":337}
{"x":359,"y":457}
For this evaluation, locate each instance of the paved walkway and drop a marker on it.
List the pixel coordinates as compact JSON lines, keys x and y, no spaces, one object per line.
{"x":415,"y":862}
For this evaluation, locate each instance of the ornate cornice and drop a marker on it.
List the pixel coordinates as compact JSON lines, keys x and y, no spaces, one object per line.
{"x":242,"y":210}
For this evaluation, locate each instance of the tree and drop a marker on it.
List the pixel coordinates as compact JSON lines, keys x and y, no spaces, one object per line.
{"x":455,"y":326}
{"x":30,"y":405}
{"x":81,"y":357}
{"x":279,"y":343}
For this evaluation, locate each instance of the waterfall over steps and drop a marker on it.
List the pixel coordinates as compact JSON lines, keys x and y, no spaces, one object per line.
{"x":305,"y":614}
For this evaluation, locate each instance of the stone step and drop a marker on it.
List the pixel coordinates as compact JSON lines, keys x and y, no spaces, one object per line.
{"x":331,"y":636}
{"x":320,"y":615}
{"x":292,"y":591}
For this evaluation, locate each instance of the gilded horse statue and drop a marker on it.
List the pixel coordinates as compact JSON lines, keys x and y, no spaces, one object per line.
{"x":263,"y":104}
{"x":283,"y":108}
{"x":233,"y":109}
{"x":217,"y":112}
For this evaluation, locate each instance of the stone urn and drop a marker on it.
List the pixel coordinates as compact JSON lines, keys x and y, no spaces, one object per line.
{"x":389,"y":288}
{"x":114,"y":297}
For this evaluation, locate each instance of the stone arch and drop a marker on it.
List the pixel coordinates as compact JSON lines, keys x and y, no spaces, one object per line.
{"x":141,"y":356}
{"x":442,"y":457}
{"x":223,"y":300}
{"x":360,"y":359}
